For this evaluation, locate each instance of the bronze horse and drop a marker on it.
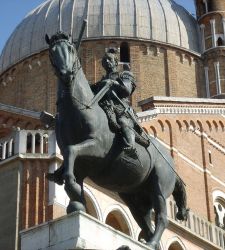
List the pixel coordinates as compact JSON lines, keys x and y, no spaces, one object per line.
{"x":91,"y":149}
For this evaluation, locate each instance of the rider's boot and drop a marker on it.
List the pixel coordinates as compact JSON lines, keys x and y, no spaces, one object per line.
{"x":129,"y":139}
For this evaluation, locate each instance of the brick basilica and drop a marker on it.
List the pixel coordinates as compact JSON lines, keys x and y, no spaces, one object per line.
{"x":179,"y":65}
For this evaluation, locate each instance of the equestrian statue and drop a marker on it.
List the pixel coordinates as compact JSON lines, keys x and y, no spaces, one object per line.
{"x":99,"y":137}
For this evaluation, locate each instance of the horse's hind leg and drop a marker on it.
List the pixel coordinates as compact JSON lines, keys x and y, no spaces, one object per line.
{"x":141,"y":212}
{"x":161,"y":220}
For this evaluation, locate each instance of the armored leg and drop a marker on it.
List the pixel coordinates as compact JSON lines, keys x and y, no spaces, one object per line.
{"x":127,"y":132}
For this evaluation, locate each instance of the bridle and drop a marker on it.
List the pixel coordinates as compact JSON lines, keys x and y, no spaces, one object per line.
{"x":76,"y":65}
{"x":75,"y":69}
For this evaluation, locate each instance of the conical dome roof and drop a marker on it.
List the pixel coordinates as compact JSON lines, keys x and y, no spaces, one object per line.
{"x":155,"y":20}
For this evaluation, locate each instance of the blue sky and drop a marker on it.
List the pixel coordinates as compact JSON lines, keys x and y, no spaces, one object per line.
{"x":13,"y":11}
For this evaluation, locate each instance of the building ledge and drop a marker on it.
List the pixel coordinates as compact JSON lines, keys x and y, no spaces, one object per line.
{"x":19,"y":111}
{"x":28,"y":156}
{"x":182,"y":100}
{"x":155,"y":105}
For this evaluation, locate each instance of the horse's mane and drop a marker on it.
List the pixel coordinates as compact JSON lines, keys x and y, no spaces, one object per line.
{"x":59,"y":36}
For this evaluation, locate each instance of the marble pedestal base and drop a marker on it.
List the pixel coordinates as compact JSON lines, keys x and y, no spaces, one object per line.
{"x":76,"y":231}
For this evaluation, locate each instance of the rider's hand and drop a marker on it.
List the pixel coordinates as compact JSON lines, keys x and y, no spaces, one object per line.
{"x":115,"y":82}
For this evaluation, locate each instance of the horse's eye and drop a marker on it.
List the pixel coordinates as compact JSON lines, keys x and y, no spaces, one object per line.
{"x":70,"y":49}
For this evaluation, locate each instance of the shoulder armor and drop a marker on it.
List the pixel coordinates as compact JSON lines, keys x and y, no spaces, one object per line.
{"x":127,"y":76}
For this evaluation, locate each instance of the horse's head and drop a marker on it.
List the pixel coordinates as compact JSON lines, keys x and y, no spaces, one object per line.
{"x":63,"y":56}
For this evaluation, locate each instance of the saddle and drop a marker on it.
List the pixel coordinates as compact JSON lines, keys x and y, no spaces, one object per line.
{"x":107,"y":106}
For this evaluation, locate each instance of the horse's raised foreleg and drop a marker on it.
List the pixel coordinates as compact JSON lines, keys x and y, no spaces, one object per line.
{"x":72,"y":188}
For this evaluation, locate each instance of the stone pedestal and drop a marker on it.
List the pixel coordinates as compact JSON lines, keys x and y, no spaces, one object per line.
{"x":76,"y":231}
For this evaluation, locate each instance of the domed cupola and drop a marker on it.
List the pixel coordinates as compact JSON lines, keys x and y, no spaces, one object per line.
{"x":162,"y":21}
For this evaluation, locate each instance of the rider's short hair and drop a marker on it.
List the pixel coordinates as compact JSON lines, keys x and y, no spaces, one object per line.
{"x":109,"y":54}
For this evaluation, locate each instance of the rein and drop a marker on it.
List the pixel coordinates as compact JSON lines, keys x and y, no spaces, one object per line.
{"x":75,"y":69}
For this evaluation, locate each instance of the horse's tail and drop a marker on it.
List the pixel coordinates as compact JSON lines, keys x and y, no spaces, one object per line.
{"x":179,"y":194}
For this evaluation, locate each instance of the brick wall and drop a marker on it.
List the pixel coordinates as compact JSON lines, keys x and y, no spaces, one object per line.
{"x":34,"y":200}
{"x":159,"y":70}
{"x":190,"y":139}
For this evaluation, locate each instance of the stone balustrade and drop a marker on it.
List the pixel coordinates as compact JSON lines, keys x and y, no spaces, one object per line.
{"x":29,"y":143}
{"x":198,"y":226}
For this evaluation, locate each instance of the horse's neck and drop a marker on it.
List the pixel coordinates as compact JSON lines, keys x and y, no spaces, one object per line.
{"x":81,"y":88}
{"x":78,"y":91}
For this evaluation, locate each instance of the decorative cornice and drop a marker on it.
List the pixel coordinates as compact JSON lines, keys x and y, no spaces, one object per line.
{"x":209,"y":14}
{"x":166,"y":109}
{"x":147,"y":115}
{"x":181,"y":100}
{"x":19,"y":111}
{"x":180,"y":105}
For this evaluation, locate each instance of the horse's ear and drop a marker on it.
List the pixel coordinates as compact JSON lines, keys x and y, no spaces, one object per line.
{"x":47,"y":39}
{"x":70,"y":38}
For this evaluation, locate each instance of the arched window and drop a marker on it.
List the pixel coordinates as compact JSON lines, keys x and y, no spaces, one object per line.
{"x":204,"y":8}
{"x":7,"y":150}
{"x":175,"y":243}
{"x":90,"y":206}
{"x":116,"y":220}
{"x":175,"y":246}
{"x":124,"y":52}
{"x":219,"y":41}
{"x":29,"y":143}
{"x":209,"y":5}
{"x":13,"y":147}
{"x":45,"y":143}
{"x":219,"y":209}
{"x":37,"y":143}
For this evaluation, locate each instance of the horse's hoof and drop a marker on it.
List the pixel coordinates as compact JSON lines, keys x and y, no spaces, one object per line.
{"x":50,"y":176}
{"x":153,"y":245}
{"x":183,"y":214}
{"x":75,"y":206}
{"x":55,"y":178}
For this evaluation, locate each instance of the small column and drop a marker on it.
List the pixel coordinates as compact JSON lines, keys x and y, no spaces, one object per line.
{"x":10,"y":147}
{"x":20,"y":142}
{"x":217,"y":72}
{"x":213,"y":32}
{"x":222,"y":239}
{"x":4,"y":151}
{"x":207,"y":82}
{"x":41,"y":144}
{"x":224,"y":29}
{"x":202,"y":27}
{"x":206,"y":6}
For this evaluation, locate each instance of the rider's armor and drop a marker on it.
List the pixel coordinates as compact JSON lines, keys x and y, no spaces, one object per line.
{"x":124,"y":90}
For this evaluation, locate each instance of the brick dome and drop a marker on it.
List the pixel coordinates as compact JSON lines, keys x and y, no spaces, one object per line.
{"x":154,"y":20}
